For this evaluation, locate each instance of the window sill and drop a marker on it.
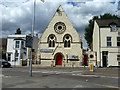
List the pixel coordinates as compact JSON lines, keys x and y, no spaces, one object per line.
{"x":67,"y":47}
{"x":16,"y":48}
{"x":51,"y":47}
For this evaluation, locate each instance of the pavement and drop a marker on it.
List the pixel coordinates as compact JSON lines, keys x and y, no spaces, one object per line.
{"x":112,"y":72}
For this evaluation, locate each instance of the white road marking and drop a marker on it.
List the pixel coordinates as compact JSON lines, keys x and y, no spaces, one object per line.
{"x":58,"y":72}
{"x":4,"y":76}
{"x":75,"y":73}
{"x":78,"y":86}
{"x":1,"y":76}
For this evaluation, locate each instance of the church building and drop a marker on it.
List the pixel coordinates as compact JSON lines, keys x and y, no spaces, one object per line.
{"x":60,"y":43}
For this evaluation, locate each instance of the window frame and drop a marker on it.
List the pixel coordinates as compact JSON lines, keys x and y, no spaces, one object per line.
{"x":109,"y":42}
{"x":118,"y":57}
{"x":67,"y":41}
{"x":22,"y":44}
{"x":17,"y":57}
{"x":17,"y":45}
{"x":51,"y":41}
{"x":118,"y":42}
{"x":113,"y":28}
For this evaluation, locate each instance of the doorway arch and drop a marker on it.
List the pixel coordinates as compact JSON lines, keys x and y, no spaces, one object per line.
{"x":58,"y":59}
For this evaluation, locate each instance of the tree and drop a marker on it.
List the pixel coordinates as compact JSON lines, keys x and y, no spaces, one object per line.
{"x":18,"y":31}
{"x":89,"y":29}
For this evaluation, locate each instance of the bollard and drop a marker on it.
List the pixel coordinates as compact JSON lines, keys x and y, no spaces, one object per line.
{"x":91,"y":67}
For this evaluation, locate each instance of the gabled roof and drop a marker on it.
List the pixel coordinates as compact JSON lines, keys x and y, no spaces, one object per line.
{"x":107,"y":22}
{"x":55,"y":20}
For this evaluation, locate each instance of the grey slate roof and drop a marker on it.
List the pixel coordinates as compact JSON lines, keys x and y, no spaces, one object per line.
{"x":107,"y":22}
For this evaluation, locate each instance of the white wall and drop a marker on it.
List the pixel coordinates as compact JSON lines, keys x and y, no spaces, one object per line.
{"x":96,"y":41}
{"x":112,"y":51}
{"x":11,"y":48}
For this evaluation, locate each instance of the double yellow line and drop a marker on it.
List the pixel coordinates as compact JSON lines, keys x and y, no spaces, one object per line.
{"x":108,"y":86}
{"x":111,"y":86}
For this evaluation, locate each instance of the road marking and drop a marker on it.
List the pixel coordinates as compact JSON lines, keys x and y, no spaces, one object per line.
{"x":62,"y":72}
{"x":78,"y":86}
{"x":111,"y":86}
{"x":77,"y":71}
{"x":85,"y":75}
{"x":1,"y":76}
{"x":108,"y":86}
{"x":96,"y":76}
{"x":4,"y":76}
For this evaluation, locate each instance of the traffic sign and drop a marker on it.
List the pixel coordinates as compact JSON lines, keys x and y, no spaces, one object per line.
{"x":29,"y":41}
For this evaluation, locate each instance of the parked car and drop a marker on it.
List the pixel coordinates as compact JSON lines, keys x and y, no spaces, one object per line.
{"x":4,"y":63}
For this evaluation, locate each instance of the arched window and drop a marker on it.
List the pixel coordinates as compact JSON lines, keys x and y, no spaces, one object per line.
{"x":67,"y":40}
{"x":51,"y":40}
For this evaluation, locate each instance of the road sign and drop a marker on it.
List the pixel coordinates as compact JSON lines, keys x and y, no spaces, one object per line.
{"x":29,"y":41}
{"x":46,"y":50}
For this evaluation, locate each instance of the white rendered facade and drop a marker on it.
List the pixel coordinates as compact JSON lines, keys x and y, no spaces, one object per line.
{"x":16,"y":49}
{"x":106,"y":43}
{"x":12,"y":48}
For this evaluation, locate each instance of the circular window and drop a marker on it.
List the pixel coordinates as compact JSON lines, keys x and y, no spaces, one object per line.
{"x":59,"y":27}
{"x":91,"y":56}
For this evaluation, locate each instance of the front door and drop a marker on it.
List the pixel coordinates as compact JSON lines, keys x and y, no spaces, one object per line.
{"x":85,"y":60}
{"x":59,"y":59}
{"x":105,"y":58}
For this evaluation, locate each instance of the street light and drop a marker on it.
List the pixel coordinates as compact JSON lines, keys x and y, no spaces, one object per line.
{"x":33,"y":26}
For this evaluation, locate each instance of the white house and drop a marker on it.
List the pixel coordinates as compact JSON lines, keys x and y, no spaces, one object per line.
{"x":60,"y":44}
{"x":106,"y":42}
{"x":16,"y":49}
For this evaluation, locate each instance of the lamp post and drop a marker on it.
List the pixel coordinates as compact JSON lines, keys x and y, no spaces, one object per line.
{"x":33,"y":25}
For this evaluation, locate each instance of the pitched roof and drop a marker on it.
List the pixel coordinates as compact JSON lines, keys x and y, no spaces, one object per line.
{"x":107,"y":22}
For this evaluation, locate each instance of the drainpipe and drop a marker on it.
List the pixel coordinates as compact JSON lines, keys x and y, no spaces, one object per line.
{"x":100,"y":47}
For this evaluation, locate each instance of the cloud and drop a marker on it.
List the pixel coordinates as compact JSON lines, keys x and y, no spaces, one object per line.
{"x":19,"y":15}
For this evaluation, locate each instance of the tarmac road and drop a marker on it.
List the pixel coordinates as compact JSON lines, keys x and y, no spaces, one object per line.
{"x":56,"y":78}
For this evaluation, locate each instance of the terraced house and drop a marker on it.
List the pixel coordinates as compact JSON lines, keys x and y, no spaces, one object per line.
{"x":106,"y":42}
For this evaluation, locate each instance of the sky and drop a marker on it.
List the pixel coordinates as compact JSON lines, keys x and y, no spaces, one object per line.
{"x":18,"y":14}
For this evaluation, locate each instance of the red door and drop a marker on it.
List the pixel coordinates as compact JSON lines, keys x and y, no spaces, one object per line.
{"x":85,"y":60}
{"x":59,"y":59}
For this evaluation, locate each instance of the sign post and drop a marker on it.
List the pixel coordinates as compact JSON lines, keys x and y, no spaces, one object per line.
{"x":29,"y":44}
{"x":29,"y":41}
